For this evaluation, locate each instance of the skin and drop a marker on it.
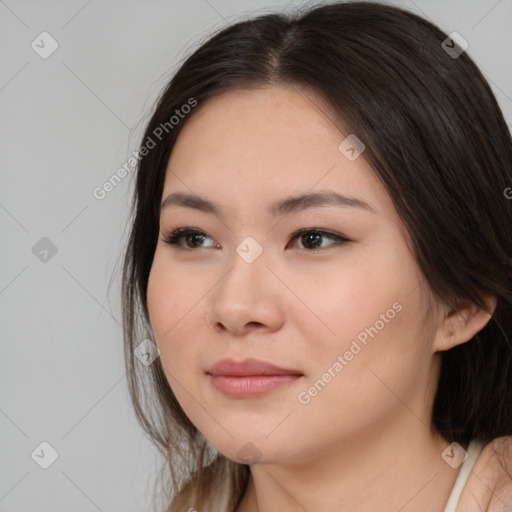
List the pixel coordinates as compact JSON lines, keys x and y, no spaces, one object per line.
{"x":489,"y":487}
{"x":299,"y":307}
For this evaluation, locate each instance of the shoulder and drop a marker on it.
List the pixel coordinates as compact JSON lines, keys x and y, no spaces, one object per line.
{"x":489,"y":486}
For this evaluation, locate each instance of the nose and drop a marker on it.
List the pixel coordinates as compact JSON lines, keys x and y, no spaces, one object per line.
{"x":248,"y":298}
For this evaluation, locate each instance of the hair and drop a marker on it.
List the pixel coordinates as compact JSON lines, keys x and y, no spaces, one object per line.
{"x":435,"y":137}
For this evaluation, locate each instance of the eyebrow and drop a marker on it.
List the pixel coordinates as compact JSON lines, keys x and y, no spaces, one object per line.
{"x":292,"y":204}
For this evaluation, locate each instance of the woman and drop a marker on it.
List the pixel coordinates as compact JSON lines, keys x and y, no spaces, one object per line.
{"x":321,"y":252}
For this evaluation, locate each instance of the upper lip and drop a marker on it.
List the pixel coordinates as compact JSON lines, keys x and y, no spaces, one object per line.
{"x":247,"y":367}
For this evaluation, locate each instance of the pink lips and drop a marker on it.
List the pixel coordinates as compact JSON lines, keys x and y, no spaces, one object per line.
{"x":250,"y":377}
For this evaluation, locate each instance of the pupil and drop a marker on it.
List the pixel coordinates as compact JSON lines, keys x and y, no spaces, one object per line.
{"x":312,"y":239}
{"x":194,"y":237}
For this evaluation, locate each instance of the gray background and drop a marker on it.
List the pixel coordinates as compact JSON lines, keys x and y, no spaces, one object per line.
{"x":68,"y":122}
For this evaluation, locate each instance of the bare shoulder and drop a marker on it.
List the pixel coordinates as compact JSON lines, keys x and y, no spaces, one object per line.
{"x":489,"y":487}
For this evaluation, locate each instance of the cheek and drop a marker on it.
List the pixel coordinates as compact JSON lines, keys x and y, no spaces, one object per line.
{"x":348,"y":301}
{"x":175,"y":301}
{"x":367,"y":372}
{"x":373,"y":316}
{"x":160,"y":301}
{"x":167,"y":314}
{"x":170,"y":295}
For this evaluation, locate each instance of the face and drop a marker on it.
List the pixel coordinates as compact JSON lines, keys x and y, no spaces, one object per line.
{"x":342,"y":304}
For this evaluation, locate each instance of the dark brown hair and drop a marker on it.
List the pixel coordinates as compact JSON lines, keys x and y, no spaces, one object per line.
{"x":436,"y":138}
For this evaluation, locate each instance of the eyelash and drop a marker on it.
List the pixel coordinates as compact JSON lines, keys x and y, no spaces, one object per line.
{"x":173,"y":238}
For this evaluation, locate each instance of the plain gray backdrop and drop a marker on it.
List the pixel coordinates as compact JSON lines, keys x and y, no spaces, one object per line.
{"x":69,"y":120}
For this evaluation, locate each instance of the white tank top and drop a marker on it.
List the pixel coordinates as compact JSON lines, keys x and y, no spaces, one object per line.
{"x":474,"y":450}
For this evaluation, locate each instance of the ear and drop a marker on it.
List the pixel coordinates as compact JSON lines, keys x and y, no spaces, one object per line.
{"x":462,"y":323}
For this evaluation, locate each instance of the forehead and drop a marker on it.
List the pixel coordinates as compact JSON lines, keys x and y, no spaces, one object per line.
{"x":260,"y":115}
{"x":270,"y":142}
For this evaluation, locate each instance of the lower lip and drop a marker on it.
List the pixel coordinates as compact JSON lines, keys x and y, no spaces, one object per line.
{"x":251,"y":386}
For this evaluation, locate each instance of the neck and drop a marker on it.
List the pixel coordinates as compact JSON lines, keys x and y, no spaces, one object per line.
{"x":377,"y":472}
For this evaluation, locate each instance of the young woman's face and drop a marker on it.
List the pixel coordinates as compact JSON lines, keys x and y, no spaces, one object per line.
{"x":350,"y":318}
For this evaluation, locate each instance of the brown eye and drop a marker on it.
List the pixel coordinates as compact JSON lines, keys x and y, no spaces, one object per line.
{"x":194,"y":239}
{"x":312,"y":239}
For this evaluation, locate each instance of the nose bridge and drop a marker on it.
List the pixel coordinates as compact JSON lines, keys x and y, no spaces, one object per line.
{"x":247,"y":276}
{"x":245,"y":294}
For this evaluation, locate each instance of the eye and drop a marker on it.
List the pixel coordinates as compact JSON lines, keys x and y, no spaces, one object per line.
{"x":311,"y":239}
{"x":193,"y":239}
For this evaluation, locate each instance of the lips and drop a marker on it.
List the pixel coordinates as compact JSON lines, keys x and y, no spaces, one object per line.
{"x":250,"y":378}
{"x":248,"y":367}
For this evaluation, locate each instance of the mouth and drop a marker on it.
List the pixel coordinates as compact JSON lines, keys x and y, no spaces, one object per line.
{"x":250,"y":377}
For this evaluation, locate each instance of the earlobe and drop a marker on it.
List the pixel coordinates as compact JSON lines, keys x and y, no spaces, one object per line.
{"x":461,"y":324}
